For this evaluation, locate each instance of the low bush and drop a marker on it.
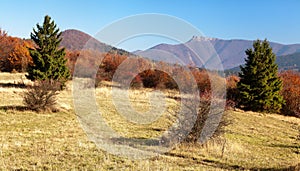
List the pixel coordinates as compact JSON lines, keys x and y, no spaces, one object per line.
{"x":42,"y":96}
{"x":205,"y":117}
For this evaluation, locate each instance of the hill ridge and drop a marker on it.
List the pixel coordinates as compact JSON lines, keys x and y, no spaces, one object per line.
{"x":231,"y":52}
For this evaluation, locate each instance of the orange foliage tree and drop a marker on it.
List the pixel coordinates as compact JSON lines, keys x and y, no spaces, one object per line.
{"x":109,"y":65}
{"x":84,"y":61}
{"x":19,"y":57}
{"x":71,"y":57}
{"x":14,"y":54}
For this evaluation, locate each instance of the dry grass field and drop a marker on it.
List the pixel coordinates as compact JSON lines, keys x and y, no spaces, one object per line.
{"x":56,"y":141}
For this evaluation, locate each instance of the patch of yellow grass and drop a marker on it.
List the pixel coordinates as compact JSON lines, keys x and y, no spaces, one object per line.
{"x":56,"y":141}
{"x":14,"y":78}
{"x":139,"y":101}
{"x":11,"y":96}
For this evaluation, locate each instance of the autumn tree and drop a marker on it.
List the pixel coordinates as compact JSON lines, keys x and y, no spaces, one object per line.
{"x":49,"y":61}
{"x":259,"y":85}
{"x":109,"y":65}
{"x":3,"y":48}
{"x":19,"y":58}
{"x":3,"y":40}
{"x":291,"y":93}
{"x":14,"y":54}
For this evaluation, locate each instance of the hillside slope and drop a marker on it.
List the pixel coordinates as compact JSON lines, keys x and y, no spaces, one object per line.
{"x":286,"y":62}
{"x":78,"y":40}
{"x":291,"y":62}
{"x":56,"y":141}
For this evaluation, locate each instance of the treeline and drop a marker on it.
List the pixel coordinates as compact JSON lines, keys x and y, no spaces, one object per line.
{"x":159,"y":75}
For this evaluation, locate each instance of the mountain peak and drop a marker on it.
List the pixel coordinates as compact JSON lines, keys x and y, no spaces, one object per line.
{"x":231,"y":52}
{"x":201,"y":38}
{"x":75,"y":40}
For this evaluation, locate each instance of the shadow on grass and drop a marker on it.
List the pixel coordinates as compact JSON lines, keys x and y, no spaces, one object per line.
{"x":17,"y":108}
{"x":175,"y":98}
{"x":219,"y":164}
{"x":294,"y":148}
{"x":13,"y":85}
{"x":208,"y":162}
{"x":290,"y":168}
{"x":134,"y":141}
{"x":285,"y":146}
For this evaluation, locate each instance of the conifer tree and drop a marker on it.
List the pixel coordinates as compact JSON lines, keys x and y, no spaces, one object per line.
{"x":260,"y":86}
{"x":48,"y":58}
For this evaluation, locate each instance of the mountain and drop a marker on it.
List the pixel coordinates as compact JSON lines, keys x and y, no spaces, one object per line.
{"x":78,"y":40}
{"x":230,"y":52}
{"x":289,"y":62}
{"x":285,"y":62}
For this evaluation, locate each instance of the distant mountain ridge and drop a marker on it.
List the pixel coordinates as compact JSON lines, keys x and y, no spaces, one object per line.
{"x":231,"y":52}
{"x":77,"y":40}
{"x":285,"y":62}
{"x":289,"y":62}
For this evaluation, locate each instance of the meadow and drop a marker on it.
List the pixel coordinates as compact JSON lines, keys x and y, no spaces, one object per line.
{"x":56,"y":141}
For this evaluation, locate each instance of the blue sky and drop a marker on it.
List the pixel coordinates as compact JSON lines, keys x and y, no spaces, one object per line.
{"x":276,"y":20}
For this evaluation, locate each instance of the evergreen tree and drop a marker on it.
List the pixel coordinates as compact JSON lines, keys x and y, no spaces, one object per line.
{"x":260,"y":86}
{"x":48,"y":59}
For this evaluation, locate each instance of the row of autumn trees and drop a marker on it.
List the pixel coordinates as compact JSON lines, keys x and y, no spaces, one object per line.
{"x":159,"y":75}
{"x":258,"y":87}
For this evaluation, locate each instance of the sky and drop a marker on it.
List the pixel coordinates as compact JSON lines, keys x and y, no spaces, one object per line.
{"x":276,"y":20}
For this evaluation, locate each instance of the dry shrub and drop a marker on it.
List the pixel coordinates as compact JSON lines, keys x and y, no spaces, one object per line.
{"x":202,"y":116}
{"x":202,"y":78}
{"x":42,"y":96}
{"x":203,"y":111}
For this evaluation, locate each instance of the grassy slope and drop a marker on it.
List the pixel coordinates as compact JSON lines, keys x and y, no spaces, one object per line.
{"x":56,"y":141}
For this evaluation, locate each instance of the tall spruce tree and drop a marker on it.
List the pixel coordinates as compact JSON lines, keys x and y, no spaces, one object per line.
{"x":259,"y":85}
{"x":48,"y":58}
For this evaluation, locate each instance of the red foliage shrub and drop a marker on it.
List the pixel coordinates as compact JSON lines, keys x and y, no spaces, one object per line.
{"x":291,"y":93}
{"x":232,"y":91}
{"x":150,"y":78}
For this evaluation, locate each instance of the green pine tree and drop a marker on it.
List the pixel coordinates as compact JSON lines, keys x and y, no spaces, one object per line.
{"x":260,"y":86}
{"x":49,"y":61}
